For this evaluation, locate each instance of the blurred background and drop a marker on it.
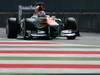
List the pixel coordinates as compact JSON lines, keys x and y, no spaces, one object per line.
{"x":87,"y":12}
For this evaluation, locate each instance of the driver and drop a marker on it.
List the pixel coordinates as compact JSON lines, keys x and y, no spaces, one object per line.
{"x":39,"y":10}
{"x":38,"y":13}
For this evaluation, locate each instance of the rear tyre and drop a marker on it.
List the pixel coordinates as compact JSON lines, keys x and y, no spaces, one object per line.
{"x":11,"y":28}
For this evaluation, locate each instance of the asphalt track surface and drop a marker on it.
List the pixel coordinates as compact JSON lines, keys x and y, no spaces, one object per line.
{"x":84,"y":39}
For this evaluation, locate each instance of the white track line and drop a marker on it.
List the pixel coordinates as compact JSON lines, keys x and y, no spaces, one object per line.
{"x":48,"y":55}
{"x":48,"y":62}
{"x":50,"y":49}
{"x":16,"y":40}
{"x":48,"y":70}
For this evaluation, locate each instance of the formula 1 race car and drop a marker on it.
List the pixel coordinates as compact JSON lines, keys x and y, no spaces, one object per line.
{"x":48,"y":27}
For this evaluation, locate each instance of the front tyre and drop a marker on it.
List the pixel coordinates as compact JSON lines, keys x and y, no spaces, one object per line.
{"x":71,"y":37}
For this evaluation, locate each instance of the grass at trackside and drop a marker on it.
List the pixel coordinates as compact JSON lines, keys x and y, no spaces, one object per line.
{"x":49,"y":46}
{"x":46,"y":74}
{"x":48,"y":58}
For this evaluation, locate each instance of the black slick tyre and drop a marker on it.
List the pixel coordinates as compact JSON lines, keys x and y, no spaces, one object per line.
{"x":11,"y":28}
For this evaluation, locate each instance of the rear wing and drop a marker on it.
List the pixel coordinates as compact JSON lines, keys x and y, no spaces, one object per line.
{"x":21,"y":8}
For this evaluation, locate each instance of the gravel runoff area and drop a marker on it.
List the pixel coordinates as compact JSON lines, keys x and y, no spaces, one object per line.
{"x":85,"y":39}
